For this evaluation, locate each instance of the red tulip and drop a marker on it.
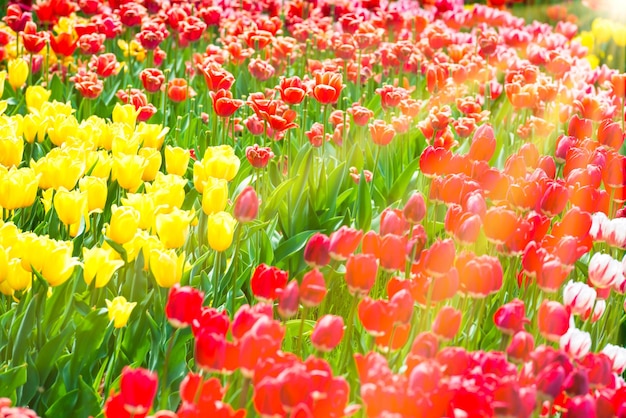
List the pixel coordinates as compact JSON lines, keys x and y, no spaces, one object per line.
{"x":152,"y":79}
{"x":439,"y":258}
{"x":580,"y":128}
{"x":393,"y":252}
{"x":138,"y":388}
{"x":34,"y":41}
{"x":216,"y":77}
{"x":344,"y":242}
{"x":292,"y":90}
{"x":246,"y":205}
{"x":267,"y":281}
{"x":312,"y":289}
{"x":317,"y":250}
{"x":210,"y":351}
{"x":499,"y":224}
{"x":212,"y":320}
{"x":259,"y":156}
{"x":520,"y":347}
{"x":361,"y":272}
{"x":247,"y":316}
{"x":177,"y":90}
{"x":382,"y":134}
{"x":375,"y":316}
{"x":610,"y":134}
{"x":552,"y":320}
{"x":184,"y":304}
{"x":401,"y":306}
{"x":510,"y":318}
{"x":63,"y":44}
{"x":392,"y":222}
{"x":288,"y":300}
{"x":327,"y":333}
{"x":223,"y":103}
{"x":447,"y":323}
{"x":16,"y":18}
{"x":483,"y":143}
{"x":328,"y":86}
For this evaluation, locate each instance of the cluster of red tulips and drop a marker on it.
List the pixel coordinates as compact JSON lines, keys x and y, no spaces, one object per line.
{"x":428,"y":212}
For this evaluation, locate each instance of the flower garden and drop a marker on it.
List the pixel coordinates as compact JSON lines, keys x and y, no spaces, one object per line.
{"x":322,"y":208}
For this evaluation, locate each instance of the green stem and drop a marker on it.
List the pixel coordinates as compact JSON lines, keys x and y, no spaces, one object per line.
{"x":216,"y":273}
{"x":347,"y":347}
{"x":168,"y":352}
{"x":233,"y":286}
{"x":305,"y":311}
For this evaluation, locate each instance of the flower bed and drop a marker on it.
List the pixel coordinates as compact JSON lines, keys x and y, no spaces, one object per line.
{"x":265,"y":208}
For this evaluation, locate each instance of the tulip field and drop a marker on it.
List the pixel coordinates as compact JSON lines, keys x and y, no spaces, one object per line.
{"x":311,"y":208}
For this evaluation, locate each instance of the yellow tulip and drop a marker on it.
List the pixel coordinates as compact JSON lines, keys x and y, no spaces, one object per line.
{"x":4,"y":263}
{"x":59,"y":264}
{"x":173,"y":228}
{"x":18,"y":188}
{"x":18,"y":73}
{"x":3,"y":77}
{"x":601,"y":29}
{"x":61,"y":128}
{"x":176,"y":160}
{"x":52,"y":109}
{"x":619,"y":35}
{"x":100,"y":163}
{"x":9,"y":234}
{"x":125,"y":114}
{"x":166,"y":267}
{"x":215,"y":196}
{"x":167,"y":191}
{"x":35,"y":127}
{"x":5,"y":289}
{"x":46,"y":198}
{"x":36,"y":96}
{"x":119,"y":310}
{"x":122,"y":142}
{"x":153,"y":159}
{"x":199,"y":176}
{"x":11,"y":150}
{"x":96,"y":189}
{"x":128,"y":171}
{"x":142,"y":243}
{"x":75,"y":228}
{"x":123,"y":225}
{"x":100,"y":264}
{"x":144,"y":205}
{"x":18,"y":278}
{"x":220,"y":230}
{"x":151,"y":135}
{"x":70,"y":206}
{"x":221,"y":162}
{"x":134,"y":49}
{"x":58,"y":170}
{"x":31,"y":250}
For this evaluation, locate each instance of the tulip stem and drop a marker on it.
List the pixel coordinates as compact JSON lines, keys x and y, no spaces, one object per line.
{"x":233,"y":286}
{"x":111,"y":366}
{"x":305,"y":311}
{"x":348,"y":339}
{"x":216,"y":273}
{"x":243,"y":398}
{"x":166,"y":387}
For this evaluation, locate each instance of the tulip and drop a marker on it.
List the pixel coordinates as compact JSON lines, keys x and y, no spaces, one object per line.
{"x":579,"y":297}
{"x":344,"y":242}
{"x":125,"y":114}
{"x":100,"y":264}
{"x":153,"y":160}
{"x":288,"y":300}
{"x":553,"y":320}
{"x":415,"y":208}
{"x":617,"y":355}
{"x":550,"y":381}
{"x":581,"y":407}
{"x":176,"y":160}
{"x":96,"y":190}
{"x":17,"y":73}
{"x":246,"y":205}
{"x":327,"y":333}
{"x":184,"y":305}
{"x":59,"y":264}
{"x":267,"y":281}
{"x":123,"y":225}
{"x":361,"y":272}
{"x":128,"y":170}
{"x":447,"y":323}
{"x":382,"y":134}
{"x":36,"y":96}
{"x":70,"y":206}
{"x":219,"y":162}
{"x":312,"y":289}
{"x":210,"y":351}
{"x":214,"y":195}
{"x":138,"y":388}
{"x":393,"y":252}
{"x":604,"y":271}
{"x":173,"y":228}
{"x":220,"y":230}
{"x":510,"y":318}
{"x":119,"y":311}
{"x":259,"y":156}
{"x":18,"y":187}
{"x":376,"y":316}
{"x":166,"y":266}
{"x":328,"y":86}
{"x":317,"y":250}
{"x":520,"y":347}
{"x":223,"y":103}
{"x":576,"y":343}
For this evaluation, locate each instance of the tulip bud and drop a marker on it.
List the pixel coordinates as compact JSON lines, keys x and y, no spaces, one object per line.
{"x":119,"y":311}
{"x":210,"y":352}
{"x":176,"y":160}
{"x":553,"y":320}
{"x":214,"y":195}
{"x":123,"y":225}
{"x":317,"y":250}
{"x":576,"y":343}
{"x":138,"y":388}
{"x":288,"y":300}
{"x":520,"y":347}
{"x":166,"y":266}
{"x":18,"y":73}
{"x":312,"y":289}
{"x":327,"y":333}
{"x":246,"y":205}
{"x":220,"y":229}
{"x":361,"y":272}
{"x":267,"y":281}
{"x":415,"y":208}
{"x":344,"y":242}
{"x":447,"y":323}
{"x":184,"y":304}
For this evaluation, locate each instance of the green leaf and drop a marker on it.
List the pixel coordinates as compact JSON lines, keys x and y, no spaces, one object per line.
{"x":64,"y":404}
{"x":399,"y":188}
{"x":24,"y":333}
{"x":292,"y":245}
{"x":51,"y":350}
{"x":364,"y":205}
{"x":276,"y":198}
{"x":12,"y":378}
{"x":118,"y":248}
